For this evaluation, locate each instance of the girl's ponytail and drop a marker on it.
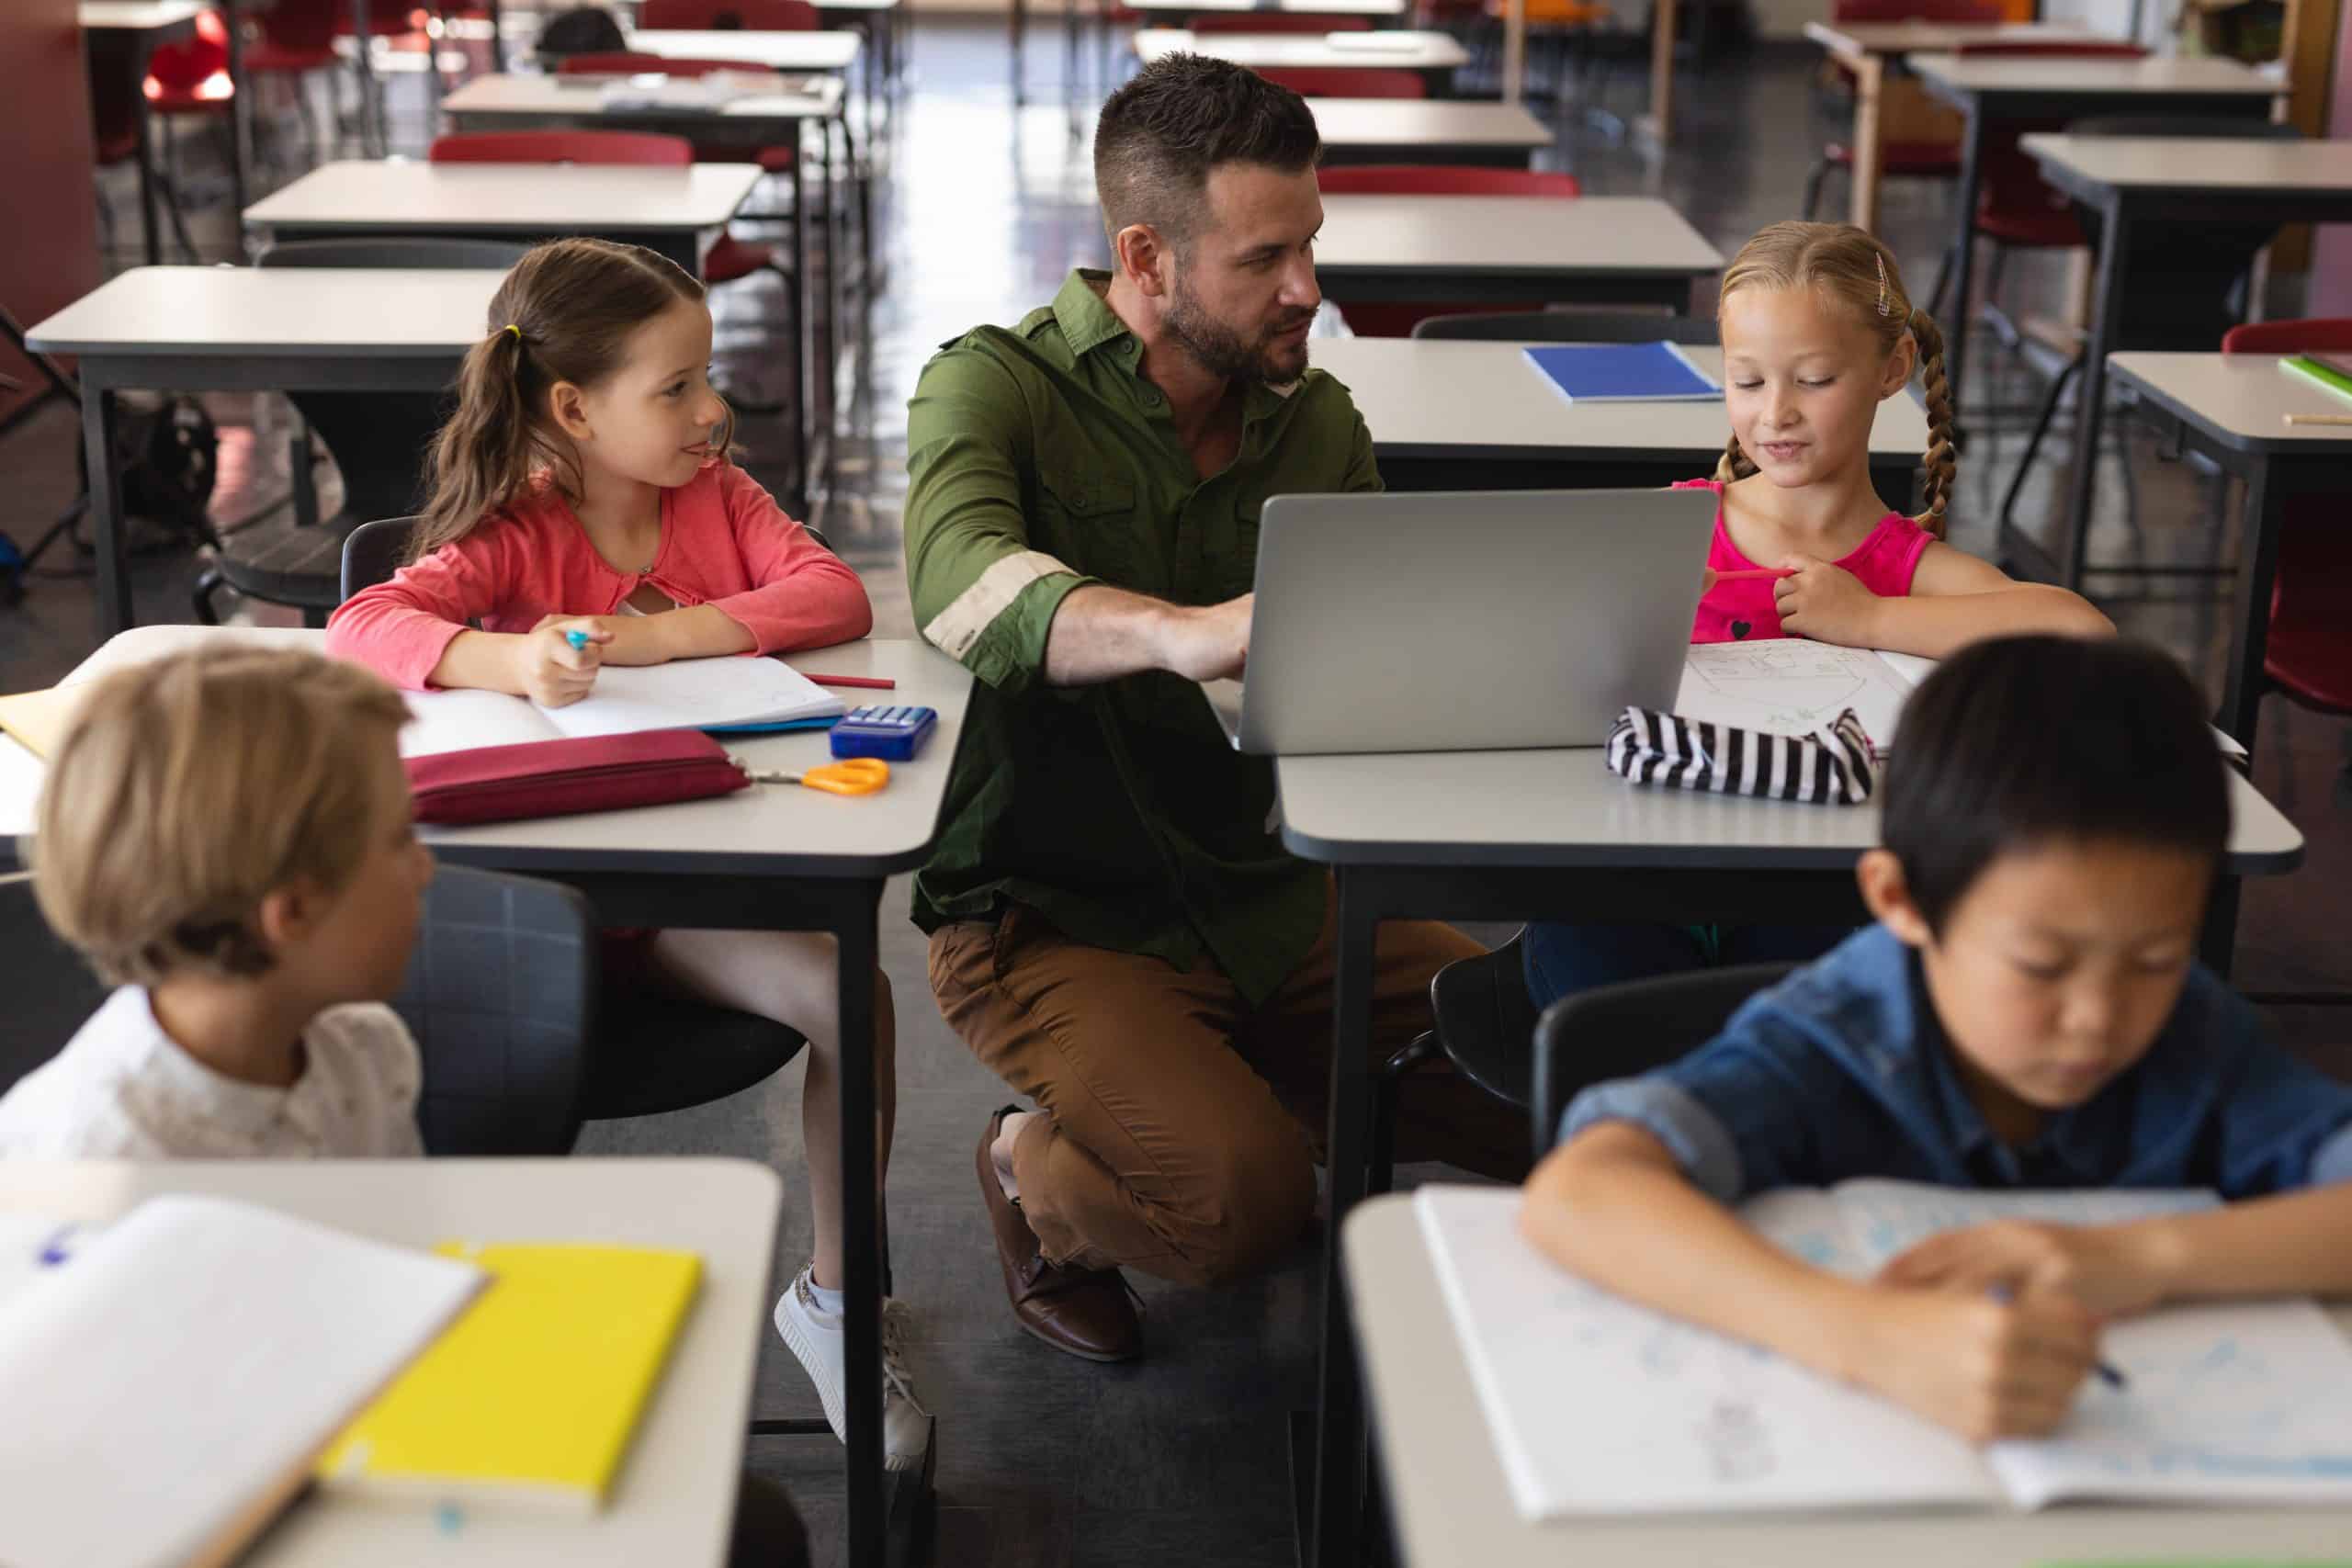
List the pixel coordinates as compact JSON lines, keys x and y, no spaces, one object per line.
{"x":482,"y":458}
{"x":1941,"y":462}
{"x":1734,"y":464}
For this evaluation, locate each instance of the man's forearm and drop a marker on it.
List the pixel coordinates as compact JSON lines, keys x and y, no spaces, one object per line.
{"x":1101,"y":633}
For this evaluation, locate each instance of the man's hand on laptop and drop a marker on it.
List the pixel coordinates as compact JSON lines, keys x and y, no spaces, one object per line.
{"x":1207,"y":642}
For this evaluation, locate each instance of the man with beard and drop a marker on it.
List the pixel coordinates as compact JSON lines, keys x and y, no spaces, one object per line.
{"x":1116,"y":931}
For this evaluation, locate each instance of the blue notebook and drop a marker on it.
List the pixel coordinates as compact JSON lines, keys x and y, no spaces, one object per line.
{"x":1624,"y":372}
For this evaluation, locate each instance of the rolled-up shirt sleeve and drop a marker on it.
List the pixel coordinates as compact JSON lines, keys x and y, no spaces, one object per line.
{"x":981,"y":594}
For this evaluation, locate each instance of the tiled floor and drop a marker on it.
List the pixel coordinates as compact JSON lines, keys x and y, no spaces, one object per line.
{"x":1180,"y":1459}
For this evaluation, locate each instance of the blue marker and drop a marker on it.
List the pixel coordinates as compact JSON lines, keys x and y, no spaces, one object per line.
{"x":58,"y":1248}
{"x":577,"y":639}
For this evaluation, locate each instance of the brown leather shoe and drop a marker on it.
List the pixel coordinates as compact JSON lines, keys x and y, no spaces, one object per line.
{"x":1089,"y":1313}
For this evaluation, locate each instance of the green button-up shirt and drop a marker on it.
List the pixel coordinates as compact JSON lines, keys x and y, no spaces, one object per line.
{"x":1039,"y":460}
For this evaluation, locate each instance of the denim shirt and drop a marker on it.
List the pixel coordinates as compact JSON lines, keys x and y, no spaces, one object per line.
{"x":1842,"y":1070}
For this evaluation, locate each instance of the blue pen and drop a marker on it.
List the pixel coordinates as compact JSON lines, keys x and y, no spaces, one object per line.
{"x":577,"y":639}
{"x":55,"y":1251}
{"x":2109,"y":1374}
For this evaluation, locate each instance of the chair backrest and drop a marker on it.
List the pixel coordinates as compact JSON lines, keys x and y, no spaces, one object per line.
{"x":2326,"y":334}
{"x":301,"y":25}
{"x":1347,"y":82}
{"x":1441,"y":179}
{"x":500,"y":995}
{"x":1485,"y":1020}
{"x":755,"y":15}
{"x":562,"y":147}
{"x":1616,"y":1031}
{"x":192,"y":65}
{"x":49,"y":989}
{"x":1957,"y":12}
{"x":1573,"y":326}
{"x":1273,"y":22}
{"x":374,"y":551}
{"x":628,"y":65}
{"x":583,"y":29}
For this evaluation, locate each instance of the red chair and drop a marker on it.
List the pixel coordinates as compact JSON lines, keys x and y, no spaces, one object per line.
{"x":1273,"y":22}
{"x":1347,"y":82}
{"x":1908,"y":158}
{"x":752,"y":16}
{"x":1383,"y":318}
{"x":191,"y":77}
{"x":728,"y":258}
{"x":2308,"y":656}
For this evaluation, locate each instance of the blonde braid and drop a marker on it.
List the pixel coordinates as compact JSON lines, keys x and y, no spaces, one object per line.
{"x":1734,"y":464}
{"x":1942,"y":461}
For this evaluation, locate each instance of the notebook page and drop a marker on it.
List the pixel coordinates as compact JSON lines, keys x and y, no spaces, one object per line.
{"x":694,"y":694}
{"x":1791,"y":686}
{"x":462,"y":720}
{"x":1598,"y":1406}
{"x":186,"y":1362}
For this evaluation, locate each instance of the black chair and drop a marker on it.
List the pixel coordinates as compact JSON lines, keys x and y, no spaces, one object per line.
{"x":2187,"y":283}
{"x":675,"y":1053}
{"x":1573,"y":326}
{"x":1616,"y":1031}
{"x":1485,"y":1026}
{"x":378,"y":440}
{"x":500,"y":995}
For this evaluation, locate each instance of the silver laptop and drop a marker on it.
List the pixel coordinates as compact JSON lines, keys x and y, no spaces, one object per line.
{"x":1480,"y":620}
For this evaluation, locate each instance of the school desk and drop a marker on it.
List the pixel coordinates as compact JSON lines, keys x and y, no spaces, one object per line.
{"x":678,"y":212}
{"x":1993,"y":90}
{"x":1434,"y":57}
{"x":123,"y":34}
{"x":769,"y":858}
{"x":2232,"y":408}
{"x":840,"y":50}
{"x":1510,"y":250}
{"x":1887,"y":104}
{"x":1553,"y":835}
{"x":1427,"y":131}
{"x":2133,"y":184}
{"x":1450,"y":1508}
{"x":1464,"y":415}
{"x":673,"y":1502}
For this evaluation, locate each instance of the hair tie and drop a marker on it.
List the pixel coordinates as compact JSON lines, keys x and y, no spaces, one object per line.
{"x":518,"y":331}
{"x":1884,"y":309}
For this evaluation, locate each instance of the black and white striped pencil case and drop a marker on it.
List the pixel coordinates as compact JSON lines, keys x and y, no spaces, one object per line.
{"x":1832,"y":766}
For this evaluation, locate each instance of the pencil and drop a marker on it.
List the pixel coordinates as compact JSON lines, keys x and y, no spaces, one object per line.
{"x":873,"y":683}
{"x":2319,"y":419}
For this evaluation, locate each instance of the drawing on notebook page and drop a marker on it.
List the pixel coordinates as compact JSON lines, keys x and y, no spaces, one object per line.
{"x":1790,"y":686}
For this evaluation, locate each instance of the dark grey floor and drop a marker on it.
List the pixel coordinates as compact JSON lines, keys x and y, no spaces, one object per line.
{"x":1181,"y":1459}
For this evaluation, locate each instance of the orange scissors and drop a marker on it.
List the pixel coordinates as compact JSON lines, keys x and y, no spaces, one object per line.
{"x":858,"y":775}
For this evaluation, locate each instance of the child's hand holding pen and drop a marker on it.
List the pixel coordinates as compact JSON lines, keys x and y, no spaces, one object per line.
{"x":558,"y":662}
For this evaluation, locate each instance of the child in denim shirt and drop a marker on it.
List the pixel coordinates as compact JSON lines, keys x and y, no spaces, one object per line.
{"x":2028,"y":1012}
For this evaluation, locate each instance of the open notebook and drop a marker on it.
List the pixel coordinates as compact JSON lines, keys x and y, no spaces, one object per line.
{"x":1600,"y":1407}
{"x":688,"y":693}
{"x":1792,"y":686}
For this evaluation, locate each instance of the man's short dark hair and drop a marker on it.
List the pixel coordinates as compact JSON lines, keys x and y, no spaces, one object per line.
{"x":1180,"y":117}
{"x":2027,"y":741}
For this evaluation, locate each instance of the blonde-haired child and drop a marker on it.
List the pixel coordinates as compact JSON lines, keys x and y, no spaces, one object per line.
{"x":1817,"y":332}
{"x":582,"y":489}
{"x":226,"y":837}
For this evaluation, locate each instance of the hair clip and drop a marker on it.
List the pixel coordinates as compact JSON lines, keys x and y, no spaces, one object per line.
{"x":1885,"y":308}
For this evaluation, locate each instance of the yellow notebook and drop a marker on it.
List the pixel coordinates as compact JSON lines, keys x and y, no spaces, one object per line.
{"x":41,"y":719}
{"x":534,"y":1391}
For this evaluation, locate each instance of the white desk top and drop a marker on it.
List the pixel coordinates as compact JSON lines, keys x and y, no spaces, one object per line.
{"x":674,"y":1503}
{"x":2203,"y":76}
{"x":1431,"y":397}
{"x":528,"y":197}
{"x":2199,"y":163}
{"x":1505,"y":235}
{"x":1312,"y":7}
{"x":1903,"y":38}
{"x":236,"y":311}
{"x":768,"y":829}
{"x":2241,"y":399}
{"x":824,"y":49}
{"x":580,"y":98}
{"x":1563,"y":808}
{"x":1413,"y":51}
{"x":137,"y":15}
{"x":1408,"y":123}
{"x":1445,"y":1483}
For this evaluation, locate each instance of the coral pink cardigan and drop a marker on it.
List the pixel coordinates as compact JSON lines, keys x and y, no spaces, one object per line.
{"x":724,"y":542}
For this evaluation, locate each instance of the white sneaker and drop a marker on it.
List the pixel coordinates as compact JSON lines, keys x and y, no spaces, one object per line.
{"x":818,"y":1339}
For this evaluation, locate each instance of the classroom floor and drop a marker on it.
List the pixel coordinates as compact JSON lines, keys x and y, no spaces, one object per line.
{"x":1180,"y":1459}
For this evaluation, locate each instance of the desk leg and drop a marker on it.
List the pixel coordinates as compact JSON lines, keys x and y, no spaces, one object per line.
{"x":1964,"y":260}
{"x":497,"y":39}
{"x":2242,"y":680}
{"x":861,"y":1226}
{"x":1870,"y":80}
{"x":1659,"y":121}
{"x":1336,"y":1538}
{"x":800,"y":324}
{"x":146,"y":129}
{"x":115,"y":608}
{"x":240,"y":118}
{"x":1018,"y":22}
{"x":2091,"y":395}
{"x":363,"y":68}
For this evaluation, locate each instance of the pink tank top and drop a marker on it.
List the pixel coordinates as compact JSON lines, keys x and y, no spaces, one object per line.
{"x":1743,"y":611}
